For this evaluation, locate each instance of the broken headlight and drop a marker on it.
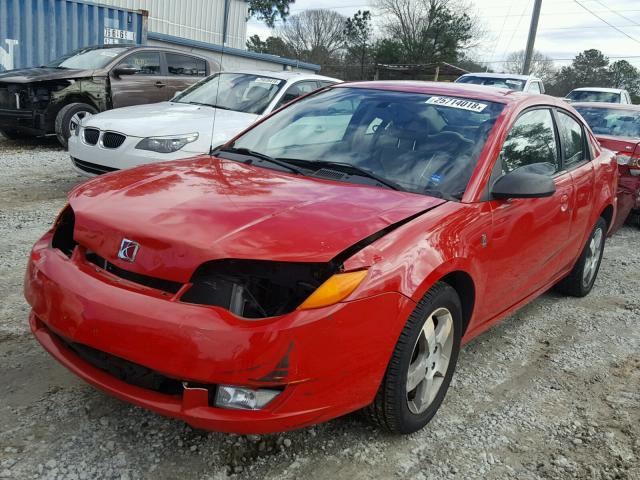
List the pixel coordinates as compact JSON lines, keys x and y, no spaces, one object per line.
{"x":256,"y":288}
{"x":168,"y":144}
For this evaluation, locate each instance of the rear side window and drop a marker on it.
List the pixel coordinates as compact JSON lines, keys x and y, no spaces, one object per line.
{"x":531,"y":143}
{"x":147,"y":62}
{"x":185,"y":65}
{"x":572,"y":139}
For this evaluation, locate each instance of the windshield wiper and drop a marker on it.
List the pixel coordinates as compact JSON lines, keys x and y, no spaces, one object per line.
{"x":342,"y":166}
{"x":261,"y":156}
{"x":207,"y":105}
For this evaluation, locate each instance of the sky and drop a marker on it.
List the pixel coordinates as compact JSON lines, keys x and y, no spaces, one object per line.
{"x":565,"y":28}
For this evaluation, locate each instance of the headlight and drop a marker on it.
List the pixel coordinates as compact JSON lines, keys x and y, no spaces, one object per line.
{"x":258,"y":288}
{"x":166,"y":144}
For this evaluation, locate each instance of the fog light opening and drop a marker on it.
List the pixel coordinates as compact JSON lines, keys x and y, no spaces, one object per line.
{"x":243,"y":398}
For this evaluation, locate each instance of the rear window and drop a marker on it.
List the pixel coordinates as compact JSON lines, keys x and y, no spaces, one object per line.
{"x":591,"y":96}
{"x":612,"y":121}
{"x":509,"y":83}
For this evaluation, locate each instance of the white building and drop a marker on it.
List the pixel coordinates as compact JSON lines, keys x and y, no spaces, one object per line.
{"x":217,"y":28}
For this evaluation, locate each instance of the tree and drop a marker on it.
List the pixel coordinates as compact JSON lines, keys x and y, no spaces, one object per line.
{"x":269,"y":10}
{"x":624,"y":75}
{"x":357,"y":33}
{"x":541,"y":65}
{"x":588,"y":69}
{"x":314,"y":35}
{"x":272,"y":45}
{"x":429,"y":31}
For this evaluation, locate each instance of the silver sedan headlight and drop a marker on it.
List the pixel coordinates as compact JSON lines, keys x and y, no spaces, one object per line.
{"x":167,"y":144}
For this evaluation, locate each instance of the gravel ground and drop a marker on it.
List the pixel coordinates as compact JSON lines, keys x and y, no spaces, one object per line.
{"x":551,"y":392}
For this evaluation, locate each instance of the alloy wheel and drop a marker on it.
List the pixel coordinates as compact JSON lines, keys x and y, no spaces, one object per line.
{"x":593,"y":256}
{"x":429,"y":360}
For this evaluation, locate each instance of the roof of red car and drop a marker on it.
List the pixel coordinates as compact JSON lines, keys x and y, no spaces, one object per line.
{"x":478,"y":92}
{"x":617,"y":106}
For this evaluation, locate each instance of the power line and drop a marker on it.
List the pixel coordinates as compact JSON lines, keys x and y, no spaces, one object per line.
{"x":619,"y":14}
{"x":612,"y":26}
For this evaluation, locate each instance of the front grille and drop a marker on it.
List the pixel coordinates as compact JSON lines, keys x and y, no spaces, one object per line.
{"x":91,"y":135}
{"x":112,"y":139}
{"x":126,"y":371}
{"x":147,"y":281}
{"x":92,"y":168}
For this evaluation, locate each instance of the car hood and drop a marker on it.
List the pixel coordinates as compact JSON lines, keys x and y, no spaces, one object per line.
{"x":42,"y":74}
{"x":185,"y":213}
{"x":170,"y":118}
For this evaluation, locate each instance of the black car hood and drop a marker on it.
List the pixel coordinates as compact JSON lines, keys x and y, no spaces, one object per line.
{"x":42,"y":74}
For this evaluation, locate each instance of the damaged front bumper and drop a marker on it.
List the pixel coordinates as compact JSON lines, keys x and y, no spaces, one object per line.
{"x":327,"y":361}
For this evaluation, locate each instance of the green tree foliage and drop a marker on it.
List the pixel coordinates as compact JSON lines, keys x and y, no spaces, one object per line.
{"x":624,"y":75}
{"x":272,"y":45}
{"x":592,"y":69}
{"x":357,"y":34}
{"x":269,"y":10}
{"x":429,"y":31}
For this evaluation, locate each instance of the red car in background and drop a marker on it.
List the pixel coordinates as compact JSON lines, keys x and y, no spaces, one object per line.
{"x":333,"y":257}
{"x":617,"y":127}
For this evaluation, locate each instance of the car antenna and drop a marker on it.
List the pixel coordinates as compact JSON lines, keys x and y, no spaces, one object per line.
{"x":215,"y":103}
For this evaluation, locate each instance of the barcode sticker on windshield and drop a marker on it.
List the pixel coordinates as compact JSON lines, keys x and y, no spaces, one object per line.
{"x":457,"y":103}
{"x":270,"y":81}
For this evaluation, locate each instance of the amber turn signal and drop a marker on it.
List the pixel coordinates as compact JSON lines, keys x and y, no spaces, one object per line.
{"x":336,"y":288}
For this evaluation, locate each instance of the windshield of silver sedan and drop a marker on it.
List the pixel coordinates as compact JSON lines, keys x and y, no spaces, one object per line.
{"x":421,"y":143}
{"x":233,"y":91}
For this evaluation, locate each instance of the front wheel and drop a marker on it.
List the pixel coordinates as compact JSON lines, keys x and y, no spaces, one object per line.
{"x":581,"y":279}
{"x":420,"y":370}
{"x":69,"y":118}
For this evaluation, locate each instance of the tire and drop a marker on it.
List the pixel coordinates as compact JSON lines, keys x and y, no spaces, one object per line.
{"x":14,"y":134}
{"x":581,"y":279}
{"x":67,"y":119}
{"x":395,"y":407}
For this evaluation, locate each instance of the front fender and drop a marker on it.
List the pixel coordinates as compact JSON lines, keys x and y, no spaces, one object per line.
{"x":412,"y":258}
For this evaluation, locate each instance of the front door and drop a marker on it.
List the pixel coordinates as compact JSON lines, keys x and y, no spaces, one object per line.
{"x":530,"y":235}
{"x":148,"y":85}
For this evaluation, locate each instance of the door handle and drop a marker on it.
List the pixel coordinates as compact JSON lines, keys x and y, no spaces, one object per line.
{"x":564,"y":202}
{"x":159,"y":84}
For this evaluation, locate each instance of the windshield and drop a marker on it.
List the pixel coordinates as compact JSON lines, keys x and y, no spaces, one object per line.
{"x":591,"y":96}
{"x":422,"y":143}
{"x":612,"y":121}
{"x":234,"y":91}
{"x":87,"y":58}
{"x":509,"y":83}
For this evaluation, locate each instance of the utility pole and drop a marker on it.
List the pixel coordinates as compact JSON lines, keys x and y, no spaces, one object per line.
{"x":532,"y":37}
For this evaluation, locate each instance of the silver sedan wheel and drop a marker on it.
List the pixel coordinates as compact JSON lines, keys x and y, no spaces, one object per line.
{"x":76,"y":119}
{"x":593,"y":257}
{"x":430,"y":360}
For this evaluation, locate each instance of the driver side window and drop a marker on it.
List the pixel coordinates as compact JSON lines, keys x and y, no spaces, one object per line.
{"x":531,"y":143}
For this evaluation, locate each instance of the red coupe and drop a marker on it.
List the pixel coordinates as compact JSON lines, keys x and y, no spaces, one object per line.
{"x":617,"y":127}
{"x":333,"y":257}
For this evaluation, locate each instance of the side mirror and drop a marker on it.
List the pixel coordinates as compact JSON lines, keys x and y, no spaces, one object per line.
{"x":125,"y":70}
{"x":176,"y":95}
{"x":523,"y":184}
